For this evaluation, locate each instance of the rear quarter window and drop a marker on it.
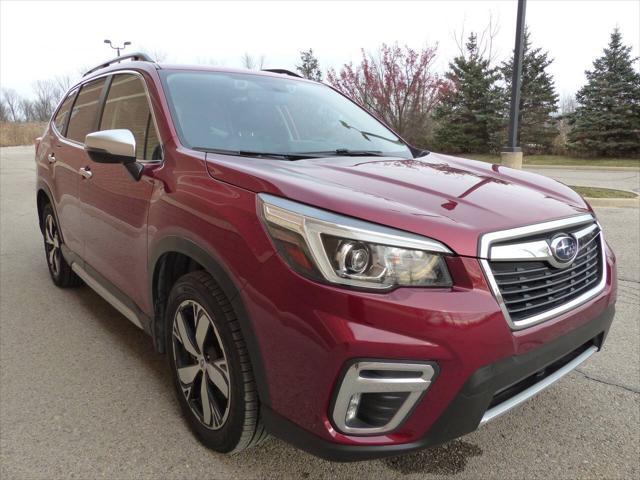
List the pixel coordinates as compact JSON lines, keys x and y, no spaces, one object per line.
{"x":85,"y":110}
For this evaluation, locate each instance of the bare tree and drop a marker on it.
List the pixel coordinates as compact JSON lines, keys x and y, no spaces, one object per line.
{"x":62,"y":83}
{"x":4,"y":111}
{"x":567,"y":104}
{"x":11,"y":100}
{"x":46,"y":93}
{"x":484,"y":39}
{"x":252,"y":63}
{"x":28,"y":110}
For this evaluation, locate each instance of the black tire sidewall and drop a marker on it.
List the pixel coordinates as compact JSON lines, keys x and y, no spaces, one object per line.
{"x":46,"y":212}
{"x":228,"y":436}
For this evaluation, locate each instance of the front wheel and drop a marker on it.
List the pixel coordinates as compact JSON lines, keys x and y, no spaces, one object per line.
{"x":211,"y":369}
{"x":59,"y":269}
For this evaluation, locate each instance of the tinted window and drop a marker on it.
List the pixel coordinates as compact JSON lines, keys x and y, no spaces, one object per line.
{"x":83,"y":115}
{"x":231,"y":111}
{"x":127,"y":107}
{"x":152,"y":149}
{"x":60,"y":119}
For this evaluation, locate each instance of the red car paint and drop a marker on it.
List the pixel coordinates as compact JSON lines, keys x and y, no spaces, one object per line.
{"x":306,"y":331}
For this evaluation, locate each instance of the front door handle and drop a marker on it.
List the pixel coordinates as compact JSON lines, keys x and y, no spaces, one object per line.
{"x":52,"y":158}
{"x":85,"y":172}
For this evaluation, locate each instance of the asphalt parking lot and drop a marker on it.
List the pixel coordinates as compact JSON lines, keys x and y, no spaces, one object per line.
{"x":84,"y":395}
{"x":621,"y":179}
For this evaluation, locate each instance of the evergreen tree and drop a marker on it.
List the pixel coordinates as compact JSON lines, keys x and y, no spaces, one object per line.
{"x":469,"y":116}
{"x":538,"y":99}
{"x":607,"y":119}
{"x":310,"y":67}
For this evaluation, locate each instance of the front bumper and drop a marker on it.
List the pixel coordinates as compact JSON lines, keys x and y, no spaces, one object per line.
{"x":309,"y":333}
{"x":465,"y":413}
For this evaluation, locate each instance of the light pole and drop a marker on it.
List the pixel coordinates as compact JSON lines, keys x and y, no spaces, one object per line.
{"x":512,"y":154}
{"x":124,"y":45}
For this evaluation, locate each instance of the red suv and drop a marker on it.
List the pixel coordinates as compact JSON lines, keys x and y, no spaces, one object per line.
{"x":307,"y":272}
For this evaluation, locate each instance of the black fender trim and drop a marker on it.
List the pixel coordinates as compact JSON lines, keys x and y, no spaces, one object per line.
{"x":215,"y":268}
{"x":465,"y":411}
{"x":41,"y":185}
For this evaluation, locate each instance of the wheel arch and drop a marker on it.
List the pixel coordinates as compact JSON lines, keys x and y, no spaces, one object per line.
{"x":44,"y":196}
{"x":182,"y":248}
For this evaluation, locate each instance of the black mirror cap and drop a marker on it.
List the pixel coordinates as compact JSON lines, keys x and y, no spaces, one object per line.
{"x":130,"y":163}
{"x":102,"y":156}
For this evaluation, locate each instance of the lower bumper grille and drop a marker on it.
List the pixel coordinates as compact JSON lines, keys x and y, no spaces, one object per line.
{"x":516,"y":394}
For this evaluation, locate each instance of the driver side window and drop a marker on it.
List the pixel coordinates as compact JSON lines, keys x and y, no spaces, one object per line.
{"x":127,"y":107}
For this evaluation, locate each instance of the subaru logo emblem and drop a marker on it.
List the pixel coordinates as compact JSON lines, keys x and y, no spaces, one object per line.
{"x":564,"y":248}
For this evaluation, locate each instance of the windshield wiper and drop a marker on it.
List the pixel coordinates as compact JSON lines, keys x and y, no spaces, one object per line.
{"x":248,"y":153}
{"x":346,"y":152}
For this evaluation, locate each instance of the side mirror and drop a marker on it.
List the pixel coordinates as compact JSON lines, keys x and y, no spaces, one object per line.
{"x":114,"y":146}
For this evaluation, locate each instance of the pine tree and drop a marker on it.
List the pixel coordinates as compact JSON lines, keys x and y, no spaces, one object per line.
{"x":538,"y":99}
{"x":607,"y":119}
{"x":469,"y":116}
{"x":310,"y":67}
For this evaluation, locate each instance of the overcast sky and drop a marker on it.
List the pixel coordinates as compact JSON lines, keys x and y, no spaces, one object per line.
{"x":43,"y":39}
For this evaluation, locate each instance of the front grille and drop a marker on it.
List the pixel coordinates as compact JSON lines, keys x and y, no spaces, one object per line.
{"x":529,"y":288}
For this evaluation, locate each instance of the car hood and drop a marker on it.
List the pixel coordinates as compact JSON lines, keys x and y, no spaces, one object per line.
{"x":452,"y":200}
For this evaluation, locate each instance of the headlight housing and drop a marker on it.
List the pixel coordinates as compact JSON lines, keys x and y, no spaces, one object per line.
{"x":342,"y":250}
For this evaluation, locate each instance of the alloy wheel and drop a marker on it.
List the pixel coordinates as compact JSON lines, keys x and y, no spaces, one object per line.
{"x":52,"y":245}
{"x":201,"y":364}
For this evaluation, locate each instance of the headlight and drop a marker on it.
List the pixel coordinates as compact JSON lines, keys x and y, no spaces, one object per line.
{"x":325,"y":246}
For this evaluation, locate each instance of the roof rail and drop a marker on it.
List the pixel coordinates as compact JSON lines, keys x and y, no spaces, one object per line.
{"x":136,"y":56}
{"x":282,"y":71}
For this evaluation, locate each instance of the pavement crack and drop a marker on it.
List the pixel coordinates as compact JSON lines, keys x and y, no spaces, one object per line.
{"x":612,"y":384}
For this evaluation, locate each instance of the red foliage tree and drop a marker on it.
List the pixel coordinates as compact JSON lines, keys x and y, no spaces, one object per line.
{"x":397,"y":84}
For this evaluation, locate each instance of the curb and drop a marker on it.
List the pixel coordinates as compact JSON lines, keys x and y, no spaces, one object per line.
{"x":614,"y":202}
{"x":583,"y":167}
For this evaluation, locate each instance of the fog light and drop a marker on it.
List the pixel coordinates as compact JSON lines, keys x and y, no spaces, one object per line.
{"x":352,"y":409}
{"x":376,"y":397}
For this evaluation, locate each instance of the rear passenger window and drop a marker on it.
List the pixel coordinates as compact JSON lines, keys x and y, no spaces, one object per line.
{"x":60,"y":120}
{"x":127,"y":107}
{"x":83,"y":115}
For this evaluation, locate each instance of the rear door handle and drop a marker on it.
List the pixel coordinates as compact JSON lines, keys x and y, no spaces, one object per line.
{"x":52,"y":158}
{"x":85,"y":172}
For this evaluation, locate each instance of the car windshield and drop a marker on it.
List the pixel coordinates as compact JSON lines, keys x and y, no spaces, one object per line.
{"x":238,"y":112}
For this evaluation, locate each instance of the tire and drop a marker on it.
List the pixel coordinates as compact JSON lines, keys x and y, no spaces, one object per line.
{"x":59,"y":269}
{"x":204,"y":343}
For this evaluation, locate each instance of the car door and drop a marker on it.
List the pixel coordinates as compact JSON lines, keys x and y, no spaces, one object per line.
{"x":77,"y":114}
{"x":62,"y":175}
{"x":115,"y":204}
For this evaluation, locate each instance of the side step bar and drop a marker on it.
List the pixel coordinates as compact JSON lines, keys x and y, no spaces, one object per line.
{"x":525,"y":395}
{"x":106,"y":294}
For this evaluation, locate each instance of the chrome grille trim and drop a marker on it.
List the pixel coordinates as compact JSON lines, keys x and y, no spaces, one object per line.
{"x":518,"y":253}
